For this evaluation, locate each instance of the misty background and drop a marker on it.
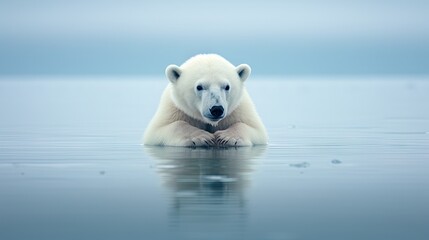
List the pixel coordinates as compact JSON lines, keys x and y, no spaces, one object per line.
{"x":57,"y":37}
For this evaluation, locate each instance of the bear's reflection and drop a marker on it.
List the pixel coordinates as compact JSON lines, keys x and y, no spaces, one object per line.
{"x":206,"y":182}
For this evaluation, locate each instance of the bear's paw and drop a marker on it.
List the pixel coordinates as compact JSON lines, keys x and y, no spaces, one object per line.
{"x":200,"y":139}
{"x":227,"y":138}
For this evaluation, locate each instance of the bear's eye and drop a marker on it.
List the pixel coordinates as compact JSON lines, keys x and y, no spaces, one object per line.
{"x":199,"y":88}
{"x":227,"y":87}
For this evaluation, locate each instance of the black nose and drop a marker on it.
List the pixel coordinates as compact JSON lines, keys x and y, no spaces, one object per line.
{"x":216,"y":111}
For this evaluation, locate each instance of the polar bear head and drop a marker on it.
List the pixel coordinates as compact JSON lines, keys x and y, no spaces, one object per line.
{"x":207,"y":87}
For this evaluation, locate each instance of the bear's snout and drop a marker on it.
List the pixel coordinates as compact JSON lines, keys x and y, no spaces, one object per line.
{"x":216,"y":111}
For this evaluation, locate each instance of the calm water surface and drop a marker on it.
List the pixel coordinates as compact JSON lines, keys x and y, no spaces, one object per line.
{"x":347,"y":159}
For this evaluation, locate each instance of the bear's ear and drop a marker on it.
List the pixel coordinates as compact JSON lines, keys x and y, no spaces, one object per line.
{"x":243,"y":71}
{"x":173,"y":73}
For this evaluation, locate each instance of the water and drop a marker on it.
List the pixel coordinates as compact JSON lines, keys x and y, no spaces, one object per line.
{"x":347,"y":159}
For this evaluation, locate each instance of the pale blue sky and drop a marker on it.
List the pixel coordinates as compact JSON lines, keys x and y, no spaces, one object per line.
{"x":140,"y":37}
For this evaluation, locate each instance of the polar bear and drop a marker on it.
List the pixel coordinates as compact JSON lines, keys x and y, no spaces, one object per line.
{"x":206,"y":104}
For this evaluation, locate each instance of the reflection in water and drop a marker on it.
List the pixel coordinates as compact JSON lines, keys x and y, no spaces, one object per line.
{"x":207,"y":184}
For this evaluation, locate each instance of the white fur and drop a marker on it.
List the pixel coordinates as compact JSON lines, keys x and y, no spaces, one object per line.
{"x":184,"y":116}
